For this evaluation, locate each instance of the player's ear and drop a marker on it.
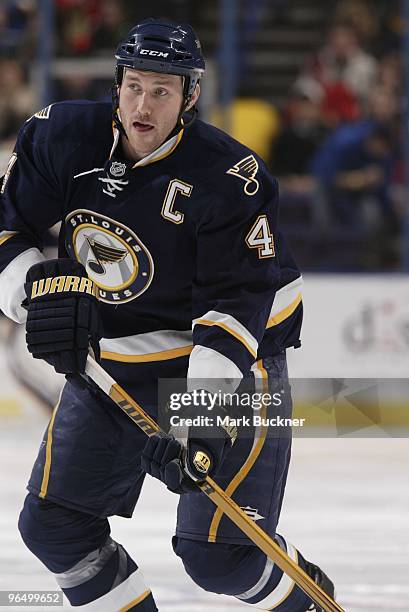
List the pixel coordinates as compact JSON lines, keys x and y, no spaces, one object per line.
{"x":194,"y":97}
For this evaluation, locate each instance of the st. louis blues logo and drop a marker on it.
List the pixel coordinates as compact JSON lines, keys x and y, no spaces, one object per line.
{"x":114,"y":257}
{"x":103,"y":254}
{"x":246,"y":169}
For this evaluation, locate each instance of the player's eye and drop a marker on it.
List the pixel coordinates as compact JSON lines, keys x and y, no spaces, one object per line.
{"x":161,"y":92}
{"x":134,"y":87}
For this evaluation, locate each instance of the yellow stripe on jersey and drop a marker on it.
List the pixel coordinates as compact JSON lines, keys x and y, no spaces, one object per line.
{"x":285,"y":313}
{"x":251,"y":459}
{"x":47,"y":464}
{"x":160,"y":356}
{"x":4,"y":236}
{"x":167,"y":148}
{"x":179,"y":138}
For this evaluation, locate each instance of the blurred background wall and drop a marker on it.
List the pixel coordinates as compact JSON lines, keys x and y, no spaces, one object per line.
{"x":318,"y":89}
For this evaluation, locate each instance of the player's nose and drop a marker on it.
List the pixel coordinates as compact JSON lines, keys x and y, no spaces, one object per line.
{"x":143,"y":107}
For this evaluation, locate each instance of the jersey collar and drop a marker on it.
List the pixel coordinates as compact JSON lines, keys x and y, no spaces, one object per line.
{"x":160,"y":153}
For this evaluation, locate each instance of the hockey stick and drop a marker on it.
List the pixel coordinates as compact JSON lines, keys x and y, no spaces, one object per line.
{"x":215,"y":493}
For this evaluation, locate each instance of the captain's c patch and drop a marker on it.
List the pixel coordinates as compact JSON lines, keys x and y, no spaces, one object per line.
{"x":246,"y":169}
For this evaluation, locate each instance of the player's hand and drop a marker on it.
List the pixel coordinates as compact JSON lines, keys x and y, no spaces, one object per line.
{"x":63,"y":320}
{"x":178,"y":465}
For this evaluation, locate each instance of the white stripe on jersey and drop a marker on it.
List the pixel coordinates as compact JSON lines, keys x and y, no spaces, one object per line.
{"x":12,"y":281}
{"x":232,"y":326}
{"x":286,"y":295}
{"x":212,"y":371}
{"x":146,"y":344}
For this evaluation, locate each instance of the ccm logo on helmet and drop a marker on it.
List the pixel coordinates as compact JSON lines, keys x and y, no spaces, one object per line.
{"x":155,"y":53}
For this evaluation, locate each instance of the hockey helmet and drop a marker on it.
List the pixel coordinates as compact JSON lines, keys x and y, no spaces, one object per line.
{"x":162,"y":46}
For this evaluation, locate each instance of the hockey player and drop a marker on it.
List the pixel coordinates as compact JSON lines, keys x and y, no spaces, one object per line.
{"x":168,"y":226}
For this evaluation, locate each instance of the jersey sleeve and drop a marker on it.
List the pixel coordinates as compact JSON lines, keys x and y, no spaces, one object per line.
{"x":237,"y":276}
{"x":30,"y":203}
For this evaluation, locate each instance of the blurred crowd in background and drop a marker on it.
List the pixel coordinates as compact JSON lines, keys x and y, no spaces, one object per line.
{"x":332,"y":132}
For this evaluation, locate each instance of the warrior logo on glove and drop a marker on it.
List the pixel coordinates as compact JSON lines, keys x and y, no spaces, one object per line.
{"x":58,"y":284}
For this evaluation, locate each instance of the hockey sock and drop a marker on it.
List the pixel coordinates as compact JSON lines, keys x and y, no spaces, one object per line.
{"x":275,"y":590}
{"x":107,"y":579}
{"x":243,"y":571}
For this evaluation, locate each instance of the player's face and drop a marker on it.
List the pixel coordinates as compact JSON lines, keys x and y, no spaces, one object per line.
{"x":149,"y":106}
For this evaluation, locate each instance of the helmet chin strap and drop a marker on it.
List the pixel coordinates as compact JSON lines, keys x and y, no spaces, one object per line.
{"x":180,"y":123}
{"x":115,"y":108}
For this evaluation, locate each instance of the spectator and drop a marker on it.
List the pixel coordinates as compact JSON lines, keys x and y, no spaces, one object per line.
{"x":302,"y":132}
{"x":15,"y":20}
{"x":339,"y":105}
{"x":362,"y":16}
{"x":76,"y":21}
{"x":17,"y":99}
{"x":355,"y":166}
{"x":390,"y":74}
{"x":343,"y":60}
{"x":112,"y":26}
{"x":76,"y":33}
{"x":299,"y":138}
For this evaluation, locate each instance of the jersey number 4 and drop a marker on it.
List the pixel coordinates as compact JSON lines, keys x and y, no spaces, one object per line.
{"x":261,"y":238}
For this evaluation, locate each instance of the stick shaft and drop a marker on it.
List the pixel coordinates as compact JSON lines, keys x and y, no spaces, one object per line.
{"x":215,"y":493}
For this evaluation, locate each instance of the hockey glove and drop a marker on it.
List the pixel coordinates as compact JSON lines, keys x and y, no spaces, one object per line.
{"x":179,"y":466}
{"x":63,"y":320}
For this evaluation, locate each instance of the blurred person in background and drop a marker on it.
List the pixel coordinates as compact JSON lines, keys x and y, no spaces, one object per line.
{"x":15,"y":18}
{"x":111,"y":27}
{"x":301,"y":134}
{"x":356,"y":165}
{"x":343,"y":64}
{"x":303,"y":210}
{"x":17,"y":99}
{"x":76,"y":20}
{"x":390,"y":73}
{"x":360,"y":14}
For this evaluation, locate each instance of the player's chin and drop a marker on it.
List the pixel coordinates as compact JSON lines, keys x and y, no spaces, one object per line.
{"x":144,"y":146}
{"x":144,"y":138}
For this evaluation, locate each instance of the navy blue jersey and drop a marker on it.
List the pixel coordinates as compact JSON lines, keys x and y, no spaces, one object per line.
{"x":184,"y":245}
